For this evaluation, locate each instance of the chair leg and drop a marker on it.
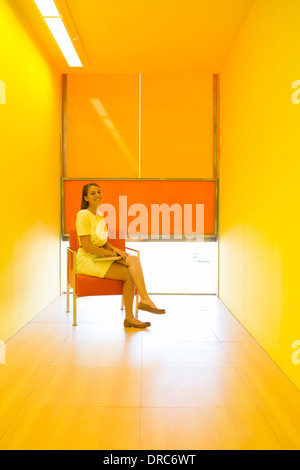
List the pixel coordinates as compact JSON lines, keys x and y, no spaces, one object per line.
{"x":122,"y":302}
{"x":68,"y":298}
{"x":74,"y":289}
{"x":68,"y":284}
{"x":74,"y":309}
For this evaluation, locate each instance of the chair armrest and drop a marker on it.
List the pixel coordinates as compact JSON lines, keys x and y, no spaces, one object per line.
{"x":132,"y":249}
{"x":74,"y":255}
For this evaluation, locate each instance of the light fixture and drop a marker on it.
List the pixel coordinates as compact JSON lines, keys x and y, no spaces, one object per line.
{"x":47,"y":7}
{"x":63,"y":40}
{"x":55,"y":23}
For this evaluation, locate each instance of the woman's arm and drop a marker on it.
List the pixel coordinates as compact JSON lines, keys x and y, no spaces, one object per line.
{"x":88,"y":246}
{"x":108,"y":246}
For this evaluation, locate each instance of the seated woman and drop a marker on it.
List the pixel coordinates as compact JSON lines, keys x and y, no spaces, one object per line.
{"x":92,"y":234}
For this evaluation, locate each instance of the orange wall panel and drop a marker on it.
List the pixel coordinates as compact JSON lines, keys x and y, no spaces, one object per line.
{"x":177,"y":126}
{"x":102,"y":126}
{"x":147,"y":193}
{"x":149,"y":126}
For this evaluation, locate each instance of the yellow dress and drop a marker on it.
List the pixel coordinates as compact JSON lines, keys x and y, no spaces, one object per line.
{"x":93,"y":225}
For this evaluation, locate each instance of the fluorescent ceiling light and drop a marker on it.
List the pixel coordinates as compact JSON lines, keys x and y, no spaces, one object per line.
{"x":52,"y":17}
{"x":47,"y":7}
{"x":62,"y":38}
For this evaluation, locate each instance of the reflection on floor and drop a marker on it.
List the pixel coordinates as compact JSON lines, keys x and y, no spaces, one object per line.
{"x":195,"y":380}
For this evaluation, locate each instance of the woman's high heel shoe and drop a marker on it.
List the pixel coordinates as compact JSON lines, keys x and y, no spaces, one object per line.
{"x":128,"y":324}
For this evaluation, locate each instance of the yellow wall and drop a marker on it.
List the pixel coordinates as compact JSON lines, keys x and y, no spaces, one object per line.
{"x":30,"y":171}
{"x":259,"y":188}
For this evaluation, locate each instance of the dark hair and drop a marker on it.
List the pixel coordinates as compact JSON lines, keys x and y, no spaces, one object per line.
{"x":84,"y":203}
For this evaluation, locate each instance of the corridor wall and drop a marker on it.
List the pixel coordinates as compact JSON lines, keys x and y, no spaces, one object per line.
{"x":259,"y":195}
{"x":30,"y":176}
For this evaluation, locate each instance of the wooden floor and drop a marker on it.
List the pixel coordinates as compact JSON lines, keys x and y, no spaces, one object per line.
{"x":195,"y":380}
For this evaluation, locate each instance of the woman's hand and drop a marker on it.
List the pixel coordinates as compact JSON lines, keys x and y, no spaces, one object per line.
{"x":114,"y":251}
{"x":118,"y":252}
{"x":107,"y":253}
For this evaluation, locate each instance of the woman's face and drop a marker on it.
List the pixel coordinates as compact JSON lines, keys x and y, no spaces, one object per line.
{"x":94,"y":196}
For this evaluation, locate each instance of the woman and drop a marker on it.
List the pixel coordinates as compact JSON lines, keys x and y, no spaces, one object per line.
{"x":92,"y":235}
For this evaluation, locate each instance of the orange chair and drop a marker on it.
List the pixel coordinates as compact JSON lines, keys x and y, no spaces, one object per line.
{"x":83,"y":285}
